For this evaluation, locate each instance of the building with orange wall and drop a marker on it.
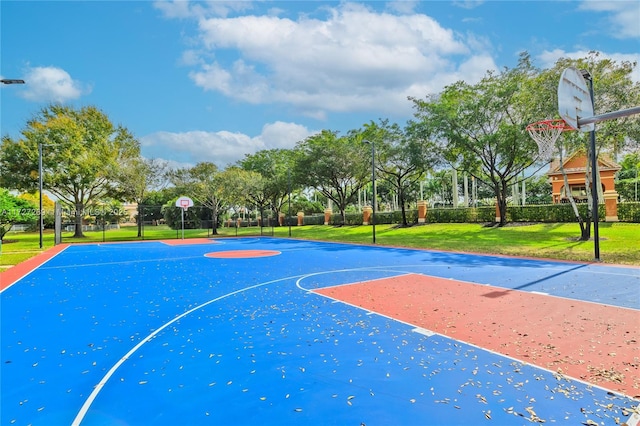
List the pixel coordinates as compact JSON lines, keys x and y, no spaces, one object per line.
{"x":575,"y":167}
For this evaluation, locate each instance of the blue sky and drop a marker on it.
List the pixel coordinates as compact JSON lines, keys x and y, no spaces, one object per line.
{"x":213,"y":81}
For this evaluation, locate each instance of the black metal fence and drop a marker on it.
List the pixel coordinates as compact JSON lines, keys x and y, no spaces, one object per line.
{"x":162,"y":222}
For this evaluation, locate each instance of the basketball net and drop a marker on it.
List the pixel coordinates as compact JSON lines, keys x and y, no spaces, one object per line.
{"x":546,"y":133}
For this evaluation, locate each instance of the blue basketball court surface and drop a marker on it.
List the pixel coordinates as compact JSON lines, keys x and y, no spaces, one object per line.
{"x":150,"y":333}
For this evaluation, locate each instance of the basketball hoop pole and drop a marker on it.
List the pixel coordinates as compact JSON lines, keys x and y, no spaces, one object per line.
{"x":594,"y":176}
{"x":182,"y":214}
{"x":608,"y":116}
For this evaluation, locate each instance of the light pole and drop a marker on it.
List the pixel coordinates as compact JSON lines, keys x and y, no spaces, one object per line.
{"x":594,"y":177}
{"x":40,"y":176}
{"x":373,"y":184}
{"x":40,"y":223}
{"x":636,"y":184}
{"x":289,"y":211}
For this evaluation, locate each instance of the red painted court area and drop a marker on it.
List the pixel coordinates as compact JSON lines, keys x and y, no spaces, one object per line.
{"x":587,"y":341}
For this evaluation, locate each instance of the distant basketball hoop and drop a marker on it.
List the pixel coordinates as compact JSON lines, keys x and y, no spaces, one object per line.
{"x":184,"y":203}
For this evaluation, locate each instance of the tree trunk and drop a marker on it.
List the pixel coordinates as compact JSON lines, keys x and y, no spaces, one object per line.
{"x":214,"y":220}
{"x":78,"y":217}
{"x":402,"y":207}
{"x":501,"y":198}
{"x":140,"y":219}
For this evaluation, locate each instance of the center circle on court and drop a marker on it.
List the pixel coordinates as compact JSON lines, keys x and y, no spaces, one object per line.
{"x":242,"y":254}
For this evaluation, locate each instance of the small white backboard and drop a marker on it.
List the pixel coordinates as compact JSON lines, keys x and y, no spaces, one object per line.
{"x":574,"y":99}
{"x":184,"y":202}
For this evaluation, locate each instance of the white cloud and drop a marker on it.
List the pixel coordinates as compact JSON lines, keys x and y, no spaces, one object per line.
{"x":623,"y":17}
{"x":51,"y":84}
{"x":221,"y":148}
{"x":353,"y":60}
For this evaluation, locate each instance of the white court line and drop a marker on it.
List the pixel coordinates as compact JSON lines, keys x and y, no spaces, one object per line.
{"x":89,"y":401}
{"x":96,"y":390}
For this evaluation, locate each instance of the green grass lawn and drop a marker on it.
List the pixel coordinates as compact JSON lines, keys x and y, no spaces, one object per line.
{"x":619,"y":242}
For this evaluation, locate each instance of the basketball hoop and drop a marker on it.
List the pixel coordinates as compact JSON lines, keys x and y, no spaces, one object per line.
{"x":546,"y":133}
{"x":184,"y":204}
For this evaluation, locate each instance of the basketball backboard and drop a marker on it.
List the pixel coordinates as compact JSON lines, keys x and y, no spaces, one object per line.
{"x":574,"y":99}
{"x":184,"y":202}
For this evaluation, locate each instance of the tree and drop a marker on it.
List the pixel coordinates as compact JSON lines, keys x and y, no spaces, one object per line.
{"x":538,"y":190}
{"x":274,"y":165}
{"x":14,"y":210}
{"x":236,"y":182}
{"x":137,"y":177}
{"x":82,"y":152}
{"x":255,"y":189}
{"x":481,"y":130}
{"x":205,"y":184}
{"x":627,"y":180}
{"x":48,"y":206}
{"x":403,"y":156}
{"x":153,"y":202}
{"x":336,"y":166}
{"x":614,"y":89}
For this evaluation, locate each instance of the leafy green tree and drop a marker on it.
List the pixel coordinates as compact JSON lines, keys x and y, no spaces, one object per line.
{"x":14,"y":210}
{"x":82,"y":152}
{"x":440,"y":186}
{"x":48,"y":206}
{"x":236,"y":182}
{"x":275,"y":166}
{"x":256,"y":192}
{"x":205,"y":185}
{"x":481,"y":130}
{"x":152,"y":205}
{"x":336,"y":166}
{"x":614,"y":89}
{"x":628,"y":179}
{"x":137,"y":177}
{"x":403,"y":156}
{"x":538,"y":190}
{"x":173,"y":216}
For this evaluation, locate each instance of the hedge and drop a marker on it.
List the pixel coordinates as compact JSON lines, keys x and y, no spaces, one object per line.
{"x":549,"y":213}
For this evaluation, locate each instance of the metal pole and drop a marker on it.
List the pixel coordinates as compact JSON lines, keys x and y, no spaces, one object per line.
{"x":636,"y":184}
{"x":594,"y":177}
{"x":373,"y":187}
{"x":606,"y":116}
{"x":289,"y":212}
{"x":182,"y":216}
{"x":373,"y":179}
{"x":40,"y":222}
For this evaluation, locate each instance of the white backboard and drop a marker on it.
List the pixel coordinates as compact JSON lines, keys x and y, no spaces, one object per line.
{"x":574,"y":100}
{"x":184,"y":202}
